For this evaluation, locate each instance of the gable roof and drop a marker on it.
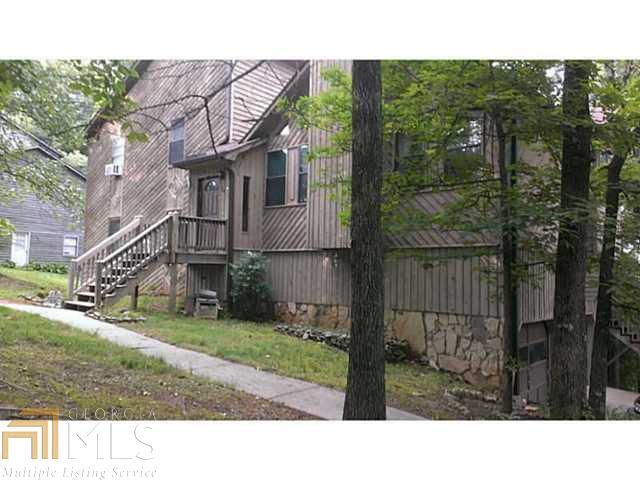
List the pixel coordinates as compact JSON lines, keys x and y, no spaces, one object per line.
{"x":43,"y":147}
{"x":272,"y":120}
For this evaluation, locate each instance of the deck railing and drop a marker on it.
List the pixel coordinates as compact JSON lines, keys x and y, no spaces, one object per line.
{"x":200,"y":234}
{"x":82,"y":269}
{"x":132,"y":257}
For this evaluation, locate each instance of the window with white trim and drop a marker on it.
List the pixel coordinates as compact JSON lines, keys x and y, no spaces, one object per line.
{"x":276,"y":178}
{"x":176,"y":141}
{"x":70,"y":246}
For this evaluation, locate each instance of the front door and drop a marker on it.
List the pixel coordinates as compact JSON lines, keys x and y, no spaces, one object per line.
{"x":20,"y":248}
{"x":210,"y":198}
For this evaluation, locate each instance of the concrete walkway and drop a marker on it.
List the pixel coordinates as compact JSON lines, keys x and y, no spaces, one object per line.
{"x":620,"y":399}
{"x":308,"y":397}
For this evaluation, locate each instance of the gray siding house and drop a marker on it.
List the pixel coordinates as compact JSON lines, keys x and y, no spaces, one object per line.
{"x":193,"y":198}
{"x":44,"y":233}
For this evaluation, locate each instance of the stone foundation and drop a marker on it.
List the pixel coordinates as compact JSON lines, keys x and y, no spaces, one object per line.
{"x":466,"y":345}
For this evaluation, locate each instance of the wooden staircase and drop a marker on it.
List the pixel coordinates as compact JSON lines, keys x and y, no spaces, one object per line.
{"x":626,"y":333}
{"x":116,"y":266}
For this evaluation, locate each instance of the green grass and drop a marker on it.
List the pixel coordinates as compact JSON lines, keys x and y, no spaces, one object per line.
{"x":410,"y":386}
{"x":15,"y":282}
{"x":47,"y":364}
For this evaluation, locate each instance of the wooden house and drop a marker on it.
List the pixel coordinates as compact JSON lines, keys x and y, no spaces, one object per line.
{"x":44,"y":232}
{"x":214,"y":182}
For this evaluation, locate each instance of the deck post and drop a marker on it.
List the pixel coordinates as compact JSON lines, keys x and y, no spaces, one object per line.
{"x":134,"y":298}
{"x":229,"y":240}
{"x":98,"y":286}
{"x":173,"y":238}
{"x":71,"y":285}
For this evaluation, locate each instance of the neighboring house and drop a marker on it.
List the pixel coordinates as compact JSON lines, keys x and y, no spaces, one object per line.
{"x":44,"y":232}
{"x":255,"y":191}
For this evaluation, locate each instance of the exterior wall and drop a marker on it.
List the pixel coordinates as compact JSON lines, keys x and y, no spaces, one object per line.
{"x":324,"y":227}
{"x":466,"y":345}
{"x":46,"y":223}
{"x":254,"y":93}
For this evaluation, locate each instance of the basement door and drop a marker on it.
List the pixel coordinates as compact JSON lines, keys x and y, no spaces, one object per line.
{"x":20,"y":243}
{"x":533,"y":354}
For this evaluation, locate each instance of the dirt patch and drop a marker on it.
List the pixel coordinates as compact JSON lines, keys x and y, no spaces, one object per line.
{"x":87,"y":389}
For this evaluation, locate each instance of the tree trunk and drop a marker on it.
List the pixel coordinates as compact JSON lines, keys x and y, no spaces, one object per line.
{"x":598,"y":381}
{"x":365,"y":395}
{"x":510,"y":287}
{"x":568,"y":358}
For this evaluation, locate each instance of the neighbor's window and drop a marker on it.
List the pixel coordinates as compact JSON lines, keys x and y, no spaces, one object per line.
{"x":245,"y":203}
{"x":276,"y":177}
{"x":303,"y":173}
{"x":176,"y":141}
{"x":70,"y":246}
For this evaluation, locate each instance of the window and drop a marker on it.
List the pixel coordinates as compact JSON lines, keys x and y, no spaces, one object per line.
{"x":70,"y":246}
{"x":276,"y":177}
{"x":209,"y":201}
{"x":114,"y":226}
{"x":117,"y":150}
{"x":303,"y":173}
{"x":245,"y":203}
{"x":176,"y":142}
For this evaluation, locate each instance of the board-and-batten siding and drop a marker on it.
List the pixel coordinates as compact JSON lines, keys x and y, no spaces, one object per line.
{"x":453,"y":285}
{"x":325,"y":229}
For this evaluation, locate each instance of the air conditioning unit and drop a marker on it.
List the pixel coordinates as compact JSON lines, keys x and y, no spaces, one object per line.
{"x":113,"y":170}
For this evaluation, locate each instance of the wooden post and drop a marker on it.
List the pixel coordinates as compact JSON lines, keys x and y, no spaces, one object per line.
{"x":71,"y":285}
{"x":134,"y":298}
{"x":98,"y":288}
{"x":229,"y":247}
{"x":173,"y":239}
{"x":173,"y":286}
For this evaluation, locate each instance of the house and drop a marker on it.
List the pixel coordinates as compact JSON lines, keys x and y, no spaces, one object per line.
{"x":44,"y":232}
{"x":214,"y":182}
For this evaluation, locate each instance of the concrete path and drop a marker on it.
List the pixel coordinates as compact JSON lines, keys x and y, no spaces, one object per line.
{"x":621,"y":399}
{"x":308,"y":397}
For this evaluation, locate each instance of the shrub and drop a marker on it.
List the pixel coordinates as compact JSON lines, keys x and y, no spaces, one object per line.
{"x":8,"y":264}
{"x":48,"y":267}
{"x":250,"y":293}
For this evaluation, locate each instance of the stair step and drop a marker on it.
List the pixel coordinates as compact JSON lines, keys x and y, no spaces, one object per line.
{"x":78,"y":305}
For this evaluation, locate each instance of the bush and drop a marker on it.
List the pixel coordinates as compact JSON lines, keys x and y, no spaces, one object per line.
{"x":48,"y":267}
{"x":8,"y":264}
{"x":250,"y":293}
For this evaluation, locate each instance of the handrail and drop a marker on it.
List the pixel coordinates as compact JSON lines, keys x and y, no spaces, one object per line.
{"x":82,"y":268}
{"x":132,"y":257}
{"x":124,"y":247}
{"x":110,"y":239}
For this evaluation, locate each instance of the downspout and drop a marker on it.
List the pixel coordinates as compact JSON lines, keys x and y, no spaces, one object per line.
{"x":231,"y":180}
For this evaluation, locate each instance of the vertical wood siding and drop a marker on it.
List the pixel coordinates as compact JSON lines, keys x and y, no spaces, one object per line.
{"x":453,"y":285}
{"x":324,"y":227}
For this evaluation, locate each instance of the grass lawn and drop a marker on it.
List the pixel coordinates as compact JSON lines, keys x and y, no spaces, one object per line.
{"x":47,"y":364}
{"x":412,"y":387}
{"x":16,"y":282}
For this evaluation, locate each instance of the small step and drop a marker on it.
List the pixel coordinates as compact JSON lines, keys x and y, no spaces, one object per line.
{"x":86,"y":296}
{"x":78,"y":305}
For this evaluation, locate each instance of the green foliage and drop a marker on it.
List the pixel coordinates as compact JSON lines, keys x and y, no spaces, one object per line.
{"x":250,"y":293}
{"x":8,"y":264}
{"x":48,"y":267}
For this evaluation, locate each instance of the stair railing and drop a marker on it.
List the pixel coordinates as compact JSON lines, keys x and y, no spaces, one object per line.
{"x":82,"y":269}
{"x":200,"y":234}
{"x":125,"y":262}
